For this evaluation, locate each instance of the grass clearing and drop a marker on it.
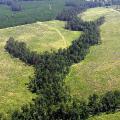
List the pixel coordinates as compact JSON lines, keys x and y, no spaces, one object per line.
{"x":114,"y":116}
{"x":42,"y":36}
{"x":100,"y":71}
{"x":39,"y":36}
{"x":94,"y":13}
{"x":13,"y":76}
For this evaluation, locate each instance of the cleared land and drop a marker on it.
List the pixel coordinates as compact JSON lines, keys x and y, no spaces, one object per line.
{"x":115,"y":116}
{"x":40,"y":36}
{"x":100,"y":71}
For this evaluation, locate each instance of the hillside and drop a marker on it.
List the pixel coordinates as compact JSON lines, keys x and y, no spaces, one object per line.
{"x":40,"y":36}
{"x":99,"y":72}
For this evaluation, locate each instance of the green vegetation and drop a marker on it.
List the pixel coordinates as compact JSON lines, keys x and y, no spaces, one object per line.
{"x":40,"y":36}
{"x":100,"y":71}
{"x":114,"y":116}
{"x":52,"y":102}
{"x":95,"y":13}
{"x":50,"y":70}
{"x":32,"y":11}
{"x":13,"y":76}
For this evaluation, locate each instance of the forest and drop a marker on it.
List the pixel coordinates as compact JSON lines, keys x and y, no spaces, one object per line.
{"x":20,"y":12}
{"x":54,"y":101}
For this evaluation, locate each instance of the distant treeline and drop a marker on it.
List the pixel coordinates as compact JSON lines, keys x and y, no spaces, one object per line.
{"x":70,"y":12}
{"x":54,"y":101}
{"x":27,"y":12}
{"x":14,"y":5}
{"x":115,"y":2}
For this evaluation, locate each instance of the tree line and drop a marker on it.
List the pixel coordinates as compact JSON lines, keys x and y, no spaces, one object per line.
{"x":72,"y":9}
{"x":30,"y":12}
{"x":54,"y":101}
{"x":14,"y":6}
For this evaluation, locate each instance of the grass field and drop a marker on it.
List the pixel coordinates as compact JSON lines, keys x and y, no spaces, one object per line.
{"x":115,"y":116}
{"x":40,"y":36}
{"x":32,"y":11}
{"x":94,"y":13}
{"x":100,"y":71}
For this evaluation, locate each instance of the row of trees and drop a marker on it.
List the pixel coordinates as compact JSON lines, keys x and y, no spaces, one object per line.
{"x":72,"y":9}
{"x":108,"y":2}
{"x":54,"y":101}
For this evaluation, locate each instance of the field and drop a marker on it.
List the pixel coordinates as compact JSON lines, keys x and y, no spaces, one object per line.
{"x":32,"y":11}
{"x":115,"y":116}
{"x":100,"y":71}
{"x":40,"y":36}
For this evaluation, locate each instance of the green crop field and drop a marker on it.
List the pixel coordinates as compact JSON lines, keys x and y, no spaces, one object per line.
{"x":100,"y":71}
{"x":40,"y":36}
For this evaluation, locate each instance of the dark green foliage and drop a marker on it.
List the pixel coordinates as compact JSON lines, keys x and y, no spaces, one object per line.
{"x":79,"y":110}
{"x":94,"y":104}
{"x":75,"y":8}
{"x":110,"y":101}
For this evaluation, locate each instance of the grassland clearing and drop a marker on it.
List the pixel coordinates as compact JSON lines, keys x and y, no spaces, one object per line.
{"x":114,"y":116}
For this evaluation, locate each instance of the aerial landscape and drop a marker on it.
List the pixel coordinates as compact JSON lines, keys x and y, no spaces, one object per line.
{"x":59,"y":59}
